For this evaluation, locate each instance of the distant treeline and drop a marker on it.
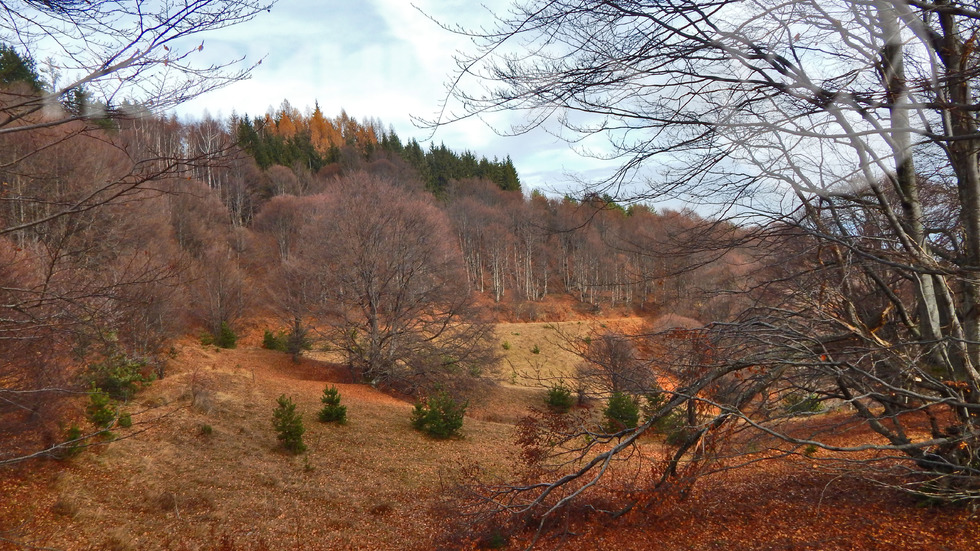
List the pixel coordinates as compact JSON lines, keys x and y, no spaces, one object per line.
{"x":313,"y":141}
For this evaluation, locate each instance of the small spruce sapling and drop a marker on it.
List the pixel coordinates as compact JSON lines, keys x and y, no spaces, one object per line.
{"x":125,"y":420}
{"x":101,"y":411}
{"x":332,"y":411}
{"x":559,"y":398}
{"x":298,"y":340}
{"x":273,"y":341}
{"x":73,"y":443}
{"x":622,"y":412}
{"x":289,"y":425}
{"x":439,"y":416}
{"x":120,"y":376}
{"x":226,"y":336}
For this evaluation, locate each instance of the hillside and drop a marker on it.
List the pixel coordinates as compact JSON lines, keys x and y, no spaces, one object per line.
{"x":173,"y":486}
{"x":778,"y":203}
{"x":374,"y":483}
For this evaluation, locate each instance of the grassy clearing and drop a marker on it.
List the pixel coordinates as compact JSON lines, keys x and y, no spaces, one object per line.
{"x":178,"y":487}
{"x":373,"y":483}
{"x":555,"y":342}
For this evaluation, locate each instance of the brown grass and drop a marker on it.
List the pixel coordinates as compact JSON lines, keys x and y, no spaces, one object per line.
{"x":374,"y":483}
{"x":555,"y":342}
{"x":175,"y":487}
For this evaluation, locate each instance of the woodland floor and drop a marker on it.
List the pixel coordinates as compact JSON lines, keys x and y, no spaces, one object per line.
{"x":374,"y":483}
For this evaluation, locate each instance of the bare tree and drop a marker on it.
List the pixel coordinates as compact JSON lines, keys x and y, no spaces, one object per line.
{"x":219,"y":290}
{"x":479,"y":211}
{"x":281,"y":217}
{"x":393,"y":289}
{"x":85,"y":157}
{"x":119,"y":53}
{"x":842,"y":137}
{"x":611,"y":364}
{"x":115,"y":61}
{"x":78,"y":291}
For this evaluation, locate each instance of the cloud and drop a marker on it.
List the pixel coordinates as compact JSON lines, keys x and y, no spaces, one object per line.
{"x":384,"y":59}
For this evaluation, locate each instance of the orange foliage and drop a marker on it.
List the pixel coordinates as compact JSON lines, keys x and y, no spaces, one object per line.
{"x":325,"y":134}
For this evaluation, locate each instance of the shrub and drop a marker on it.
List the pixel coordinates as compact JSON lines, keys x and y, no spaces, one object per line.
{"x":71,"y":448}
{"x":622,"y":412}
{"x":332,"y":411}
{"x":119,"y":376}
{"x":274,"y":341}
{"x":289,"y":425}
{"x":226,"y":336}
{"x":439,"y":416}
{"x":205,"y":430}
{"x":801,"y":404}
{"x":100,"y":411}
{"x":535,"y":350}
{"x":559,"y":398}
{"x":505,"y":345}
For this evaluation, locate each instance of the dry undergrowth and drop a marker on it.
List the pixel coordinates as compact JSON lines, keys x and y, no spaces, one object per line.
{"x":553,"y":341}
{"x":373,"y":484}
{"x":181,"y":486}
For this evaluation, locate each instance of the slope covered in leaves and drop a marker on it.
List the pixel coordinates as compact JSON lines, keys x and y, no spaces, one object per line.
{"x":375,"y":483}
{"x":179,"y":485}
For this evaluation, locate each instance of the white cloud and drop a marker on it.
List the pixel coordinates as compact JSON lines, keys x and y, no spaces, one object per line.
{"x":384,"y":59}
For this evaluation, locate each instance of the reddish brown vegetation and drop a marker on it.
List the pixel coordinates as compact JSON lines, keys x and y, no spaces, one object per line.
{"x":782,"y":505}
{"x":374,"y":483}
{"x":787,"y":502}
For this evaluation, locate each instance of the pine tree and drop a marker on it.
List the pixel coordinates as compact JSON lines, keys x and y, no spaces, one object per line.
{"x":15,"y":67}
{"x":332,"y":411}
{"x":508,"y":179}
{"x":288,"y":425}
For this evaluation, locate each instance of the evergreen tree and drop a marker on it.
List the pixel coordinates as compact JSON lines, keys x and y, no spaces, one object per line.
{"x":391,"y":142}
{"x":443,"y":165}
{"x":15,"y":67}
{"x":287,"y":138}
{"x":621,"y":412}
{"x":415,"y":156}
{"x":332,"y":411}
{"x":250,"y":140}
{"x":508,"y":180}
{"x":289,"y":425}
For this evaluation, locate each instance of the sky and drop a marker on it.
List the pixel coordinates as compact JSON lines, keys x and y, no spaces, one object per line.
{"x":383,"y":59}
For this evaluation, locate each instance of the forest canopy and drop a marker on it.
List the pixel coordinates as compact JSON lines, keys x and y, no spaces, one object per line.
{"x":288,"y":138}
